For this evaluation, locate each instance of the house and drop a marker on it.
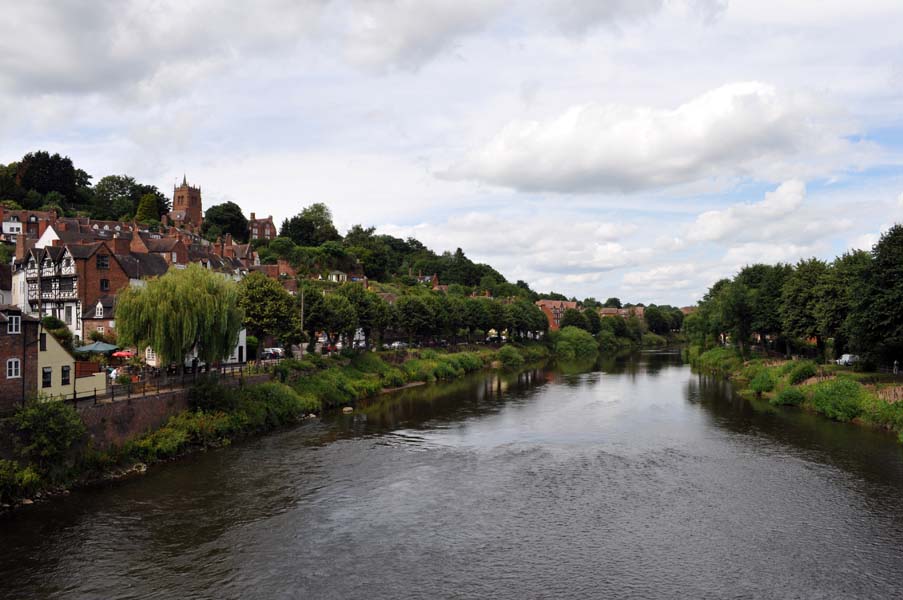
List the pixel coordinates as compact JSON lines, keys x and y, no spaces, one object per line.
{"x":101,"y":317}
{"x":338,"y":276}
{"x":624,"y":313}
{"x":609,"y":312}
{"x":18,"y":357}
{"x":239,"y":354}
{"x":688,"y":310}
{"x":261,"y":228}
{"x":59,"y":377}
{"x":31,"y":223}
{"x":554,"y":311}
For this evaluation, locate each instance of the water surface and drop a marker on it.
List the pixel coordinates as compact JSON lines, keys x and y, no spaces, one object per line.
{"x":638,"y":479}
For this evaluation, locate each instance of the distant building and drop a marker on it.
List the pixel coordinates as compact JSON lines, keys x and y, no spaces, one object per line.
{"x":263,"y":229}
{"x":186,"y":206}
{"x":554,"y":311}
{"x":688,"y":310}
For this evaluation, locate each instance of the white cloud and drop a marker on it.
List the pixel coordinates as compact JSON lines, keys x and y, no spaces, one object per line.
{"x":675,"y":276}
{"x":900,"y":200}
{"x":740,"y":129}
{"x":719,"y":224}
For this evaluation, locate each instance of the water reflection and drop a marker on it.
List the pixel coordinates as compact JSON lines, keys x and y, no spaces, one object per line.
{"x":630,"y":477}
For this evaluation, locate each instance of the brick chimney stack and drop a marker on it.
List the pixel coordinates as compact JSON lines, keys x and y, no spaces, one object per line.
{"x":252,"y":217}
{"x":120,"y":245}
{"x":20,"y":246}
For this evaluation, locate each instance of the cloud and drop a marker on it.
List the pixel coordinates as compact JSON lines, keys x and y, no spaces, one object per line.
{"x":900,"y":200}
{"x":408,"y":33}
{"x":676,"y":276}
{"x":736,"y":130}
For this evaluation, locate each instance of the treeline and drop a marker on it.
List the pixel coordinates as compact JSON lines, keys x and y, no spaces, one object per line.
{"x":853,"y":304}
{"x":44,"y":181}
{"x":419,"y":315}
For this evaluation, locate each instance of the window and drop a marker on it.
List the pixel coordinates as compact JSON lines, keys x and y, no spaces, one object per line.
{"x":64,"y":374}
{"x":100,"y":330}
{"x":175,"y":257}
{"x":14,"y":325}
{"x":46,"y":377}
{"x":68,"y":313}
{"x":43,"y":342}
{"x":104,"y":285}
{"x":99,"y":312}
{"x":103,"y":261}
{"x":13,"y":368}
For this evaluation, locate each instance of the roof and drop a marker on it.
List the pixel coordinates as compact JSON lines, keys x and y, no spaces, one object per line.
{"x":12,"y":308}
{"x":109,"y":308}
{"x":565,"y":304}
{"x":138,"y":265}
{"x":84,"y":250}
{"x":160,"y":244}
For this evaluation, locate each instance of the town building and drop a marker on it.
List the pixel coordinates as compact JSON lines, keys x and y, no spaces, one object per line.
{"x":263,"y":229}
{"x":18,"y":357}
{"x":554,"y":311}
{"x":186,"y":206}
{"x":60,"y":376}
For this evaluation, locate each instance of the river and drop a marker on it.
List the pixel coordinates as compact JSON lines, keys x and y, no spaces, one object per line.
{"x":637,"y":479}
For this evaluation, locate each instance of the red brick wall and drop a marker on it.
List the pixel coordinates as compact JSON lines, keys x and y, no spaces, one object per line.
{"x":11,"y":390}
{"x":89,"y":277}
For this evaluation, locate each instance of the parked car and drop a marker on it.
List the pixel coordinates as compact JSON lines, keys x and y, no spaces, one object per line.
{"x":397,"y":345}
{"x":847,"y":360}
{"x":275,"y":352}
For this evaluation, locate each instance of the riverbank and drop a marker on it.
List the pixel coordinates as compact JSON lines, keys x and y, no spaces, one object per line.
{"x":53,"y":454}
{"x":834,"y":392}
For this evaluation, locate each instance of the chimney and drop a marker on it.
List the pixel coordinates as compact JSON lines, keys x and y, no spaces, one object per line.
{"x":120,"y":245}
{"x":164,"y":220}
{"x":218,"y":246}
{"x":252,"y":216}
{"x":20,"y":246}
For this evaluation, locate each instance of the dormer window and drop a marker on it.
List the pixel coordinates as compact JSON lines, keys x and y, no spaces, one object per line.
{"x":33,"y":219}
{"x":95,"y":226}
{"x":14,"y":325}
{"x":99,"y":312}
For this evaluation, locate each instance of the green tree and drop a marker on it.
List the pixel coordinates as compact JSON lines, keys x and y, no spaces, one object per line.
{"x":224,"y":218}
{"x":45,"y":435}
{"x":800,"y":298}
{"x":612,"y":303}
{"x":574,"y":318}
{"x":311,"y":227}
{"x":336,"y":317}
{"x":269,"y":309}
{"x":657,"y":320}
{"x":184,"y":310}
{"x":593,"y":320}
{"x":877,"y":317}
{"x":415,"y":316}
{"x":147,"y":209}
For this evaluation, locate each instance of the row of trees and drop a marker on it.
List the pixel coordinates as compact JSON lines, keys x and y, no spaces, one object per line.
{"x":44,"y":181}
{"x":340,"y":311}
{"x":855,"y":301}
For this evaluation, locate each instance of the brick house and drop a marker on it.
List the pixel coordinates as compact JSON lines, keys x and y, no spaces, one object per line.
{"x":261,"y":228}
{"x":18,"y":357}
{"x":31,"y":223}
{"x":554,"y":311}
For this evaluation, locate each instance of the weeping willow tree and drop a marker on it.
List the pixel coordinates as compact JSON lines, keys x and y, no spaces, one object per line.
{"x":184,"y":310}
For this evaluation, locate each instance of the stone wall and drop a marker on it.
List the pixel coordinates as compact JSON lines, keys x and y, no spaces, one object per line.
{"x":115,"y":424}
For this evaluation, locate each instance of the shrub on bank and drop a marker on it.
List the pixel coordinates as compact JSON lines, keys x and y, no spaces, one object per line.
{"x":17,"y":481}
{"x":801,"y":371}
{"x":763,"y":382}
{"x":652,"y":340}
{"x":790,"y":396}
{"x":510,"y":357}
{"x":572,"y":343}
{"x":723,"y":361}
{"x":840,"y":399}
{"x":46,"y":434}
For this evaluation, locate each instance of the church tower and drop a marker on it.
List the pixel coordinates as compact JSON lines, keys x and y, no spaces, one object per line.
{"x":186,"y":205}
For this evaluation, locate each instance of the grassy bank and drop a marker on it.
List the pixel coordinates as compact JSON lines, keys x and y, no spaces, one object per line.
{"x":52,"y":454}
{"x":828,"y":390}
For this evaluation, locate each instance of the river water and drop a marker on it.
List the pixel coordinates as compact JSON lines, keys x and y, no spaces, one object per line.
{"x":637,"y":479}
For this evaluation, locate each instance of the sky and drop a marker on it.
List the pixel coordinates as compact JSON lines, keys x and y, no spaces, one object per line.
{"x":641,"y":149}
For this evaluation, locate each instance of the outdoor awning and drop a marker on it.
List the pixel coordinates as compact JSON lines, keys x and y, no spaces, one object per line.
{"x":97,"y":348}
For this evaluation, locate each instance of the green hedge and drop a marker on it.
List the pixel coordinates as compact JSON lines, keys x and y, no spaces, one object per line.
{"x":790,"y":396}
{"x":801,"y":371}
{"x":510,"y":357}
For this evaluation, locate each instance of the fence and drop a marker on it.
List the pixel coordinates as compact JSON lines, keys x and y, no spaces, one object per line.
{"x":154,"y":382}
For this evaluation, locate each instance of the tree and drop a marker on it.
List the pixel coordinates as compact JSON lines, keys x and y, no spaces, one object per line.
{"x":269,"y":309}
{"x":184,"y":310}
{"x":657,"y":320}
{"x":415,"y":317}
{"x":837,"y":296}
{"x":147,"y":209}
{"x":114,"y":197}
{"x":336,"y":316}
{"x":224,"y":218}
{"x":877,"y":317}
{"x":311,"y":227}
{"x":593,"y":320}
{"x":800,"y":298}
{"x":42,"y":172}
{"x":612,"y":303}
{"x":736,"y":305}
{"x":573,"y":318}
